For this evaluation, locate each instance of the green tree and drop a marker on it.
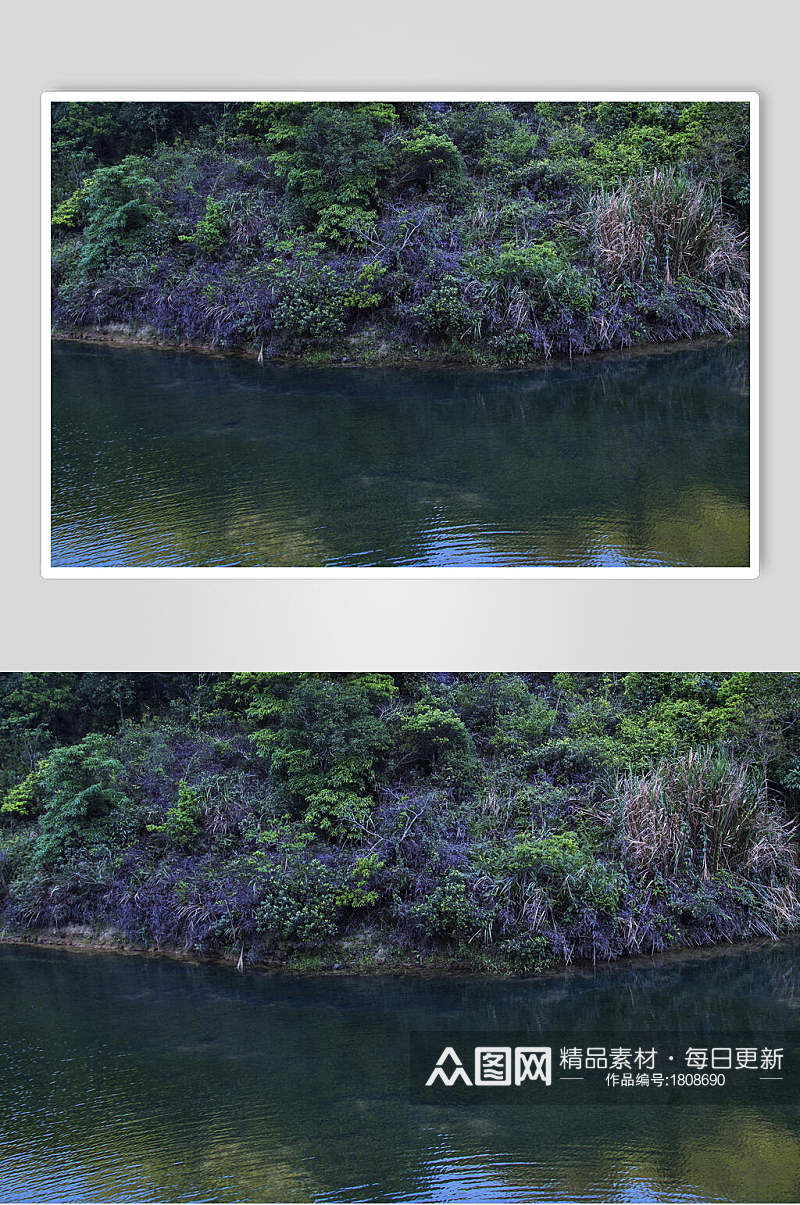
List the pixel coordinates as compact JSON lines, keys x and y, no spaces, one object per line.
{"x":122,"y":209}
{"x":331,"y":157}
{"x":81,"y":785}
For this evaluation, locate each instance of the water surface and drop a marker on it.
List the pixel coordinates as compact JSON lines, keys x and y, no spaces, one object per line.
{"x":134,"y":1079}
{"x":175,"y":459}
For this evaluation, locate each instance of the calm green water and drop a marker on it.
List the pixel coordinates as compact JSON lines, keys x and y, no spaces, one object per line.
{"x":170,"y":459}
{"x":129,"y":1079}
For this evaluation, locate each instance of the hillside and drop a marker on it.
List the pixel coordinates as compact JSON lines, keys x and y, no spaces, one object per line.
{"x":504,"y":822}
{"x":489,"y":233}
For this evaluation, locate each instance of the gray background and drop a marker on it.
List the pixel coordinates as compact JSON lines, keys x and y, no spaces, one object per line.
{"x":424,"y":624}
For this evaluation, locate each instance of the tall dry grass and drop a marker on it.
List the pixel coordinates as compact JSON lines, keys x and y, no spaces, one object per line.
{"x":665,"y":225}
{"x":703,"y":810}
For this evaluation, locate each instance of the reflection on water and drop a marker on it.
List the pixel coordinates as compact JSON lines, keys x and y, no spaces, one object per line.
{"x":170,"y":459}
{"x":129,"y":1079}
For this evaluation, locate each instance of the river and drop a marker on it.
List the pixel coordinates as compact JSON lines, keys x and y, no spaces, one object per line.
{"x":131,"y":1079}
{"x":171,"y":459}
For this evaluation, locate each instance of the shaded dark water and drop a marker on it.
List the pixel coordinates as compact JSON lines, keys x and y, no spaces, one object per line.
{"x":170,"y":459}
{"x":128,"y":1079}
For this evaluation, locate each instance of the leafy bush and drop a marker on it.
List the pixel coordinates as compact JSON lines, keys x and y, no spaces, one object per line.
{"x":308,"y":305}
{"x":366,"y":292}
{"x":122,"y":212}
{"x":571,"y":876}
{"x":430,"y":735}
{"x":182,"y":823}
{"x":360,"y":888}
{"x":331,"y":156}
{"x":536,"y":282}
{"x":524,"y":731}
{"x":503,"y":712}
{"x":71,"y":213}
{"x":298,"y":906}
{"x":210,"y":234}
{"x":427,"y":156}
{"x":449,"y":912}
{"x":80,"y":786}
{"x":25,"y":797}
{"x":443,"y":311}
{"x":325,"y":753}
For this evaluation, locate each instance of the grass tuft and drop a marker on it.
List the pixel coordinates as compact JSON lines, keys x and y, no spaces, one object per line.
{"x":707,"y":811}
{"x":665,"y":225}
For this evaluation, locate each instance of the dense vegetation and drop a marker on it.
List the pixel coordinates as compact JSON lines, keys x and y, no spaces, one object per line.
{"x":492,"y":232}
{"x":508,"y":821}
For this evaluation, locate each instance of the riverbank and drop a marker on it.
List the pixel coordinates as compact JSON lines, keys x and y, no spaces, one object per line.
{"x":371,"y":959}
{"x":361,"y":955}
{"x":373,"y":354}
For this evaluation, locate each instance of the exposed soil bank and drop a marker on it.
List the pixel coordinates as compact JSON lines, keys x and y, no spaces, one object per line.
{"x":362,"y":955}
{"x":358,"y":354}
{"x":366,"y":957}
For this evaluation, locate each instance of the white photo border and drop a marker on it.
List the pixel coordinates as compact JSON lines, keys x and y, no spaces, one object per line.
{"x":48,"y":570}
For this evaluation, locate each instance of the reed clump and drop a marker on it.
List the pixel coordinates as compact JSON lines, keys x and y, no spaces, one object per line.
{"x":705,"y":811}
{"x":665,"y":225}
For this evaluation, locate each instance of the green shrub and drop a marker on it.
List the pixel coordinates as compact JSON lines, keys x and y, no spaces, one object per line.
{"x":537,"y":281}
{"x":81,"y":786}
{"x":524,"y":731}
{"x":182,"y":823}
{"x":309,"y":304}
{"x":345,"y":225}
{"x":123,"y":214}
{"x":529,"y":952}
{"x":501,"y":710}
{"x":25,"y":797}
{"x":16,"y":855}
{"x":430,"y":736}
{"x":449,"y":912}
{"x":567,"y":173}
{"x":211,"y":232}
{"x":360,"y":888}
{"x":427,"y":156}
{"x":560,"y":865}
{"x":325,"y":751}
{"x":638,"y":150}
{"x":507,"y":154}
{"x":443,"y":311}
{"x":366,"y":293}
{"x":331,"y":156}
{"x":299,"y":906}
{"x":673,"y":725}
{"x":71,"y":213}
